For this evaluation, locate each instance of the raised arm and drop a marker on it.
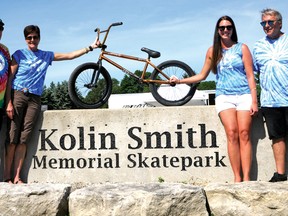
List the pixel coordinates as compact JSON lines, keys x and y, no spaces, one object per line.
{"x":200,"y":76}
{"x":77,"y":53}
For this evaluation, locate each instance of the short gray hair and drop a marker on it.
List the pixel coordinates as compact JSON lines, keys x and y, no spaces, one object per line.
{"x":272,"y":12}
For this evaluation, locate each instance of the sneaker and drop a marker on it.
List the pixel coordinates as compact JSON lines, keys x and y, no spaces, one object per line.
{"x":278,"y":177}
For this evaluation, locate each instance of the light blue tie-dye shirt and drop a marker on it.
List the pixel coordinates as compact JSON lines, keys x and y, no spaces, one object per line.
{"x":271,"y":61}
{"x":231,"y":76}
{"x":32,"y":68}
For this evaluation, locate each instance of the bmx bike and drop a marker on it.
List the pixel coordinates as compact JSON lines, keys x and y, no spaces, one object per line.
{"x":90,"y":84}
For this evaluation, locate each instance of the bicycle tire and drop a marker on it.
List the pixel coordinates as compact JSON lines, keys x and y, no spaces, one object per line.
{"x":83,"y":93}
{"x":169,"y":94}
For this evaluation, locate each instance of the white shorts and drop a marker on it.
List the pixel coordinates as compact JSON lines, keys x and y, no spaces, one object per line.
{"x":238,"y":102}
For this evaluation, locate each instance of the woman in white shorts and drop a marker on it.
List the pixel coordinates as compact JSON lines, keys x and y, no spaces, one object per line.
{"x":236,"y":95}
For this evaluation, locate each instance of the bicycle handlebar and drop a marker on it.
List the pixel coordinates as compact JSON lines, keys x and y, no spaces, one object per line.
{"x":107,"y":31}
{"x":113,"y":24}
{"x":116,"y":24}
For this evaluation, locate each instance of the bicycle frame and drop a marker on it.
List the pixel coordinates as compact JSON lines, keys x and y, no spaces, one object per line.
{"x":103,"y":56}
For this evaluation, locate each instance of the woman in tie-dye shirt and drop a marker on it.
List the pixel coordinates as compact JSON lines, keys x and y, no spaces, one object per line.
{"x":236,"y":95}
{"x":24,"y":89}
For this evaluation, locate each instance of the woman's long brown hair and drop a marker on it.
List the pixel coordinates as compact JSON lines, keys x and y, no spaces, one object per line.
{"x":217,"y":48}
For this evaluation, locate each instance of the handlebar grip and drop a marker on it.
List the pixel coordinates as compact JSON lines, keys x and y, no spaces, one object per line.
{"x":113,"y":24}
{"x":117,"y":23}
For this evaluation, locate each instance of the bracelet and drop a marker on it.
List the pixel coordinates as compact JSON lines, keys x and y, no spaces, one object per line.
{"x":90,"y":48}
{"x":86,"y":50}
{"x":253,"y":89}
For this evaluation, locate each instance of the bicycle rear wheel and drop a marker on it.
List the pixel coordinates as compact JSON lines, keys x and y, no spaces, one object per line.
{"x":89,"y":87}
{"x":168,"y":94}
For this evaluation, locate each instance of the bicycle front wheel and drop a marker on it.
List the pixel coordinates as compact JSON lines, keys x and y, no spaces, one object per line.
{"x":169,"y":94}
{"x":89,"y":87}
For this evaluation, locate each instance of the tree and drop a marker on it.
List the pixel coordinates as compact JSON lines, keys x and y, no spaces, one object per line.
{"x":131,"y":85}
{"x":116,"y":89}
{"x":57,"y":97}
{"x":207,"y":85}
{"x":47,"y":98}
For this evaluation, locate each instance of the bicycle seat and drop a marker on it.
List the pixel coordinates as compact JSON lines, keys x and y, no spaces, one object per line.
{"x":151,"y":53}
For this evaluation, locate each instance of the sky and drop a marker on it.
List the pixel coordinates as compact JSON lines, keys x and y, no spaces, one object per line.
{"x":179,"y":29}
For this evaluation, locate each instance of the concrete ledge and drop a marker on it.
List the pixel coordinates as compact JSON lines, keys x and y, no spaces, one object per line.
{"x":138,"y":199}
{"x":249,"y":198}
{"x":34,"y":199}
{"x":130,"y":199}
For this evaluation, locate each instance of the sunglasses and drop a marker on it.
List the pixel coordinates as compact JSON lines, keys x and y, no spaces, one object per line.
{"x":1,"y":28}
{"x":222,"y":28}
{"x":32,"y":37}
{"x":270,"y":23}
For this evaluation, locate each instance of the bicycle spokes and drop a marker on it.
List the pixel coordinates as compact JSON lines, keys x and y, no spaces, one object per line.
{"x":90,"y":87}
{"x":94,"y":79}
{"x":170,"y":94}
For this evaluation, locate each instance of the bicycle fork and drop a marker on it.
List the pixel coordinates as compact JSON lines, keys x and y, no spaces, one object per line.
{"x":95,"y":77}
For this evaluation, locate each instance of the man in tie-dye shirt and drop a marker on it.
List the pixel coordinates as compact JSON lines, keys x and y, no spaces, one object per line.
{"x":271,"y":62}
{"x":4,"y":68}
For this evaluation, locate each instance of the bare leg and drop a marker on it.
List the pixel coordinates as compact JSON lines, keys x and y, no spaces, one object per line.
{"x":20,"y":153}
{"x":244,"y":125}
{"x":279,"y":151}
{"x":9,"y":156}
{"x":229,"y":121}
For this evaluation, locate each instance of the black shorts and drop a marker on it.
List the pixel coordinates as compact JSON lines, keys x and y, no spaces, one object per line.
{"x":276,"y":121}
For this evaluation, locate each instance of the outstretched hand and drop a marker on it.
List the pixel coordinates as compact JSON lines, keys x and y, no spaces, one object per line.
{"x":173,"y":79}
{"x":96,"y":43}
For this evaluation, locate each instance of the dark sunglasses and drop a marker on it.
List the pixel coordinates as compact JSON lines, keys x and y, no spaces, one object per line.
{"x":1,"y":28}
{"x":270,"y":23}
{"x":32,"y":37}
{"x":222,"y":28}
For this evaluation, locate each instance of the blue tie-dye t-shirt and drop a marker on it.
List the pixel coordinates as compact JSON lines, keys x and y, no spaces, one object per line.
{"x":231,"y":76}
{"x":271,"y":62}
{"x":32,"y":68}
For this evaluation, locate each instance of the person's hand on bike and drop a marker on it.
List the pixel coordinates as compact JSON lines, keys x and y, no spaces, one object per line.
{"x":174,"y":79}
{"x":96,"y":43}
